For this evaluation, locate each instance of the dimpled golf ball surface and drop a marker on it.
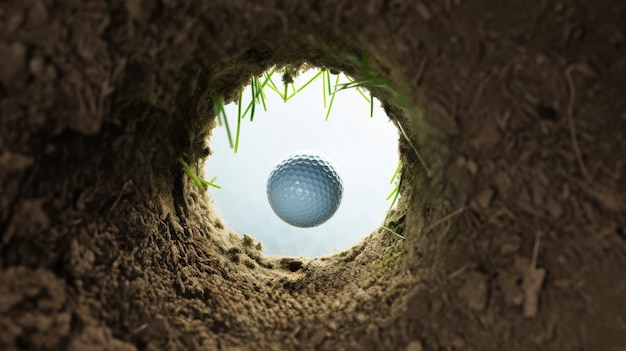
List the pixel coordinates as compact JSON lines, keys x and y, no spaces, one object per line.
{"x":305,"y":189}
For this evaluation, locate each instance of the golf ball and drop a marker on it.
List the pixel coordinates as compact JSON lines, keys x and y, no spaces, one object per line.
{"x":304,"y":189}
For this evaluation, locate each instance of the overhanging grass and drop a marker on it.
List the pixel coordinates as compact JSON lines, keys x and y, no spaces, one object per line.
{"x":264,"y":84}
{"x":198,"y":181}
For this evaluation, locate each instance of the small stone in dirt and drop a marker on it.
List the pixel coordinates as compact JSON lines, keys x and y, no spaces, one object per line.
{"x":474,"y":292}
{"x":531,"y":285}
{"x":554,"y":208}
{"x":13,"y":72}
{"x":484,"y":198}
{"x":533,"y":279}
{"x":472,"y":167}
{"x":458,"y":343}
{"x":414,"y":346}
{"x":508,"y":282}
{"x":12,"y":162}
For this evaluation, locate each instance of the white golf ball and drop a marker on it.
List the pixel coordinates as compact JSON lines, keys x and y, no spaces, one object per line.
{"x":304,"y":189}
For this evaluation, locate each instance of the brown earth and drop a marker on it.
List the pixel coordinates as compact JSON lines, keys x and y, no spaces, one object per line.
{"x":514,"y":241}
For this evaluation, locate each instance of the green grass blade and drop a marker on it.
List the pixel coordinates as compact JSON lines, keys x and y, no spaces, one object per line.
{"x":268,"y":76}
{"x":238,"y":122}
{"x":197,"y":180}
{"x":256,"y":91}
{"x":293,"y":86}
{"x":360,"y":90}
{"x":218,"y":114}
{"x":210,"y":182}
{"x":393,"y":232}
{"x":396,"y":191}
{"x":324,"y":86}
{"x":406,"y":137}
{"x":294,"y":92}
{"x":371,"y":105}
{"x":332,"y":98}
{"x":218,"y":109}
{"x":343,"y":86}
{"x":395,"y":173}
{"x":262,"y":93}
{"x":328,"y":81}
{"x":395,"y":197}
{"x":190,"y":173}
{"x":370,"y":80}
{"x":393,"y":192}
{"x":309,"y":82}
{"x":272,"y":82}
{"x":254,"y":97}
{"x":273,"y":87}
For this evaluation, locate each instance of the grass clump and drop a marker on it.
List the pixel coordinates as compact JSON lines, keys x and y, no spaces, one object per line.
{"x":395,"y":226}
{"x":201,"y":183}
{"x":264,"y":84}
{"x":397,"y":177}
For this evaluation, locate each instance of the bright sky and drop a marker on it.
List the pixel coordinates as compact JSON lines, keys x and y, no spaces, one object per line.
{"x":363,"y":149}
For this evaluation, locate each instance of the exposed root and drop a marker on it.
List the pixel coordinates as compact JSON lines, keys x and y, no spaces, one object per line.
{"x":570,"y":120}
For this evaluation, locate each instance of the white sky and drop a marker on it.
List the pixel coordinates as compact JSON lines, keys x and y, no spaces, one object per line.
{"x":364,"y":150}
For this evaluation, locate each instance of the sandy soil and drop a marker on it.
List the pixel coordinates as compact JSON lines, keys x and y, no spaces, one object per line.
{"x":515,"y":236}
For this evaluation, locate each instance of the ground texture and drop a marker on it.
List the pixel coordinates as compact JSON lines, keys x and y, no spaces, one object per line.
{"x":515,"y":234}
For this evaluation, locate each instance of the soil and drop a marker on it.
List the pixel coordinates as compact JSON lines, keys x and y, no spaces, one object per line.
{"x":514,"y":236}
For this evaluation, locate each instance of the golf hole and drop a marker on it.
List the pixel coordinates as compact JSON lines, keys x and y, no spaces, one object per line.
{"x":360,"y":140}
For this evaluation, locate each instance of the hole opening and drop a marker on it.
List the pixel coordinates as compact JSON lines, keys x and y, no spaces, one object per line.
{"x":322,"y":111}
